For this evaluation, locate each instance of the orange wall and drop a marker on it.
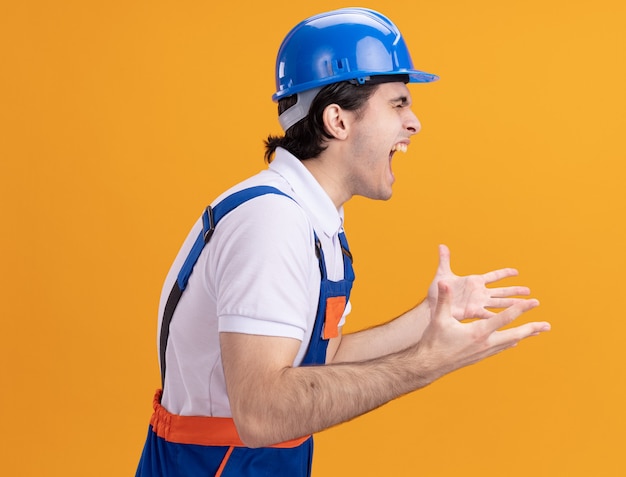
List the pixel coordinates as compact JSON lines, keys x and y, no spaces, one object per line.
{"x":120,"y":120}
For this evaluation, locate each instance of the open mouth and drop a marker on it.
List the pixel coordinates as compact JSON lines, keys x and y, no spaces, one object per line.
{"x":402,"y":147}
{"x":399,"y":147}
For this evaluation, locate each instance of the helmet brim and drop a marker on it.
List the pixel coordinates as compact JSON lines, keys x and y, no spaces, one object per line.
{"x":414,"y":76}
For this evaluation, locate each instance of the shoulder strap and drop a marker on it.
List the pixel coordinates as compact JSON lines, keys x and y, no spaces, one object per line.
{"x":210,"y":219}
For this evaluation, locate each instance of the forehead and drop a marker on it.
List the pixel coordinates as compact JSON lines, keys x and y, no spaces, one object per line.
{"x":392,"y":91}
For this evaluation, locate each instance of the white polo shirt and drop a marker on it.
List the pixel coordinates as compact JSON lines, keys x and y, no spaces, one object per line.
{"x":259,"y":275}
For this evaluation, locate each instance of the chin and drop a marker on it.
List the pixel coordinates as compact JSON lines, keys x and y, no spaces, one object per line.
{"x":386,"y":194}
{"x":381,"y":195}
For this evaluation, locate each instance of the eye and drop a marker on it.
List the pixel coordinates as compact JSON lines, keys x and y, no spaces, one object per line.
{"x":401,"y":103}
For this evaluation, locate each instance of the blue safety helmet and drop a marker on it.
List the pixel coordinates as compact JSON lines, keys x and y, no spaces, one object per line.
{"x":349,"y":44}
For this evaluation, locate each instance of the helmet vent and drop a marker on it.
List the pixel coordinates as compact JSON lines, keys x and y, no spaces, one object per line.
{"x":341,"y":66}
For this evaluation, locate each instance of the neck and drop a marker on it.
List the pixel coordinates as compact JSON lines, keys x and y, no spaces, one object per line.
{"x":329,"y":177}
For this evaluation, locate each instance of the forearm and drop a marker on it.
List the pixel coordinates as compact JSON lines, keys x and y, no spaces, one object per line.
{"x":392,"y":337}
{"x":303,"y":400}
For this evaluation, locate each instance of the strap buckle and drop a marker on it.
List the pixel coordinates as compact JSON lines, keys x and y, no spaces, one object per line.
{"x":208,"y":223}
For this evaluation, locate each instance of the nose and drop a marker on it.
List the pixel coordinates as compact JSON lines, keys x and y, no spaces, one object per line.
{"x":412,"y":124}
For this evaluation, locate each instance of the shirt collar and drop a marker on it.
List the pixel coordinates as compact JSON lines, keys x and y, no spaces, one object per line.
{"x":310,"y":194}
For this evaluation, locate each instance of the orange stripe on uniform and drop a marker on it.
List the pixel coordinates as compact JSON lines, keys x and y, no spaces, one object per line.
{"x":224,"y":461}
{"x":200,"y":430}
{"x":335,"y":306}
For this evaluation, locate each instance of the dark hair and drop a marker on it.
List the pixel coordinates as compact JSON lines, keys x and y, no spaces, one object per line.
{"x":306,"y":139}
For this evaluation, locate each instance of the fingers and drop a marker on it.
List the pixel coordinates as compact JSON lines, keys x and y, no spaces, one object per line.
{"x":509,"y":291}
{"x":444,"y":300}
{"x":495,"y":303}
{"x":466,"y":343}
{"x":503,"y":302}
{"x":483,"y":314}
{"x":496,"y":275}
{"x":507,"y":338}
{"x":499,"y":320}
{"x":444,"y":259}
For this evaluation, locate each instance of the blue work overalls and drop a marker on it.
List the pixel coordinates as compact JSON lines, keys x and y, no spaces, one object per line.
{"x":192,"y":446}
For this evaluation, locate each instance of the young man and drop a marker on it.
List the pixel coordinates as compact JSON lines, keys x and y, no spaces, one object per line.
{"x":252,"y":354}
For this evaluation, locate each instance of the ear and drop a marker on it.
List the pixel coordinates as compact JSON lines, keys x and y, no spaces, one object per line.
{"x":336,"y":121}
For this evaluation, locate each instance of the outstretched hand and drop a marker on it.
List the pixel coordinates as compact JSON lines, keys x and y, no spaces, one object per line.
{"x":470,"y":296}
{"x":447,"y":344}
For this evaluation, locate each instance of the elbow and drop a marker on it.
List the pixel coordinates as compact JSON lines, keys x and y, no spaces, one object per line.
{"x":252,"y":431}
{"x":260,"y":429}
{"x":251,"y":439}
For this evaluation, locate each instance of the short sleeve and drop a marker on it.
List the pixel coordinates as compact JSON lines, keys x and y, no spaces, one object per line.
{"x":265,"y":273}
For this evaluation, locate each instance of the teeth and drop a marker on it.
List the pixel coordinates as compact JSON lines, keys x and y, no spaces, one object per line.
{"x":400,"y":147}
